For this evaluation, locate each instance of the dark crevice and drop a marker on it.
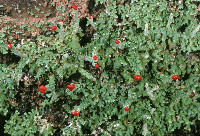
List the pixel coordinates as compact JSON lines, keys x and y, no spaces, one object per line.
{"x":149,"y":67}
{"x":198,"y":100}
{"x":119,"y":18}
{"x":74,"y":76}
{"x":91,"y":4}
{"x":87,"y":64}
{"x":99,"y":6}
{"x":185,"y":77}
{"x":9,"y":57}
{"x":166,"y":42}
{"x":57,"y":132}
{"x":180,"y":131}
{"x":86,"y":38}
{"x":139,"y":30}
{"x":114,"y":118}
{"x":198,"y":17}
{"x":86,"y":129}
{"x":82,"y":24}
{"x":182,"y":28}
{"x":2,"y":123}
{"x":3,"y":119}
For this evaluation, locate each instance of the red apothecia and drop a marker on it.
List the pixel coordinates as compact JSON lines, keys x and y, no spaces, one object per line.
{"x":137,"y":77}
{"x":60,"y":21}
{"x":97,"y":65}
{"x":117,"y":41}
{"x":90,"y":17}
{"x":175,"y":77}
{"x":54,"y":28}
{"x":72,"y":112}
{"x":72,"y":15}
{"x":75,"y":113}
{"x":74,"y":7}
{"x":42,"y":89}
{"x":126,"y":108}
{"x":71,"y":87}
{"x":9,"y":46}
{"x":95,"y":57}
{"x":192,"y":94}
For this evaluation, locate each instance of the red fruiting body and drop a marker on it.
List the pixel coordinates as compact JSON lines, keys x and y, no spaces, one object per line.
{"x":97,"y":65}
{"x":126,"y":108}
{"x":117,"y":41}
{"x":42,"y":89}
{"x":61,"y":21}
{"x":9,"y":46}
{"x":12,"y":66}
{"x":95,"y":57}
{"x":74,"y":7}
{"x":71,"y":87}
{"x":76,"y":113}
{"x":72,"y":113}
{"x":90,"y":17}
{"x":137,"y":77}
{"x":72,"y":15}
{"x":54,"y":28}
{"x":175,"y":77}
{"x":192,"y":94}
